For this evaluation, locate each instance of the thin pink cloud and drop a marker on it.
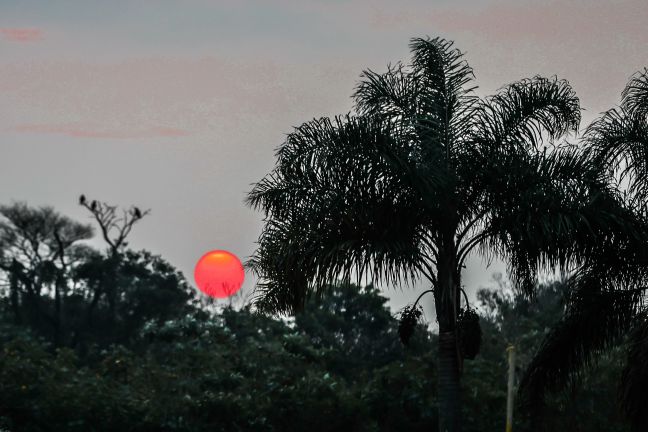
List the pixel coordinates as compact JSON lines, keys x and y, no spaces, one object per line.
{"x":21,"y":34}
{"x":76,"y":131}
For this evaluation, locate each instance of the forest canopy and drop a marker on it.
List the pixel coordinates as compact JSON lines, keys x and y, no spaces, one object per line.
{"x":165,"y":362}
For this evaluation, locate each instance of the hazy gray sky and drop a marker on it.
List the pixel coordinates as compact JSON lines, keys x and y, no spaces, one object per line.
{"x":178,"y":105}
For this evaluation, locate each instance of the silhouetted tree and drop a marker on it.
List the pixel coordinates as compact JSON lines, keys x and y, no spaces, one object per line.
{"x":75,"y":295}
{"x":424,"y":175}
{"x":39,"y":250}
{"x":115,"y":228}
{"x":607,"y":300}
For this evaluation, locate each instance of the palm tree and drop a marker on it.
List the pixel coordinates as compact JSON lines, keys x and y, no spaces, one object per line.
{"x":424,"y":174}
{"x":607,"y":304}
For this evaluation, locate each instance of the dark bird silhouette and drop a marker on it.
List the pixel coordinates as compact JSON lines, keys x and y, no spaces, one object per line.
{"x":82,"y":199}
{"x":93,"y":206}
{"x":137,"y":212}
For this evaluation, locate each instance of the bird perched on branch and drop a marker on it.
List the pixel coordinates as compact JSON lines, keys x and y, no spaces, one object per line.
{"x":137,"y":213}
{"x":93,"y":205}
{"x":82,"y":199}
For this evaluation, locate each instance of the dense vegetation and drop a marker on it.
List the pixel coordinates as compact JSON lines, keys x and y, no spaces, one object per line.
{"x":332,"y":369}
{"x":338,"y":365}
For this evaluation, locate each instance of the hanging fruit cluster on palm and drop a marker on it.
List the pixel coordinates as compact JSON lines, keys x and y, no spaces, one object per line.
{"x":470,"y":333}
{"x":408,"y":319}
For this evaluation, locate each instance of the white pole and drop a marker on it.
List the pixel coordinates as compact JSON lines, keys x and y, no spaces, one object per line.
{"x":511,"y":384}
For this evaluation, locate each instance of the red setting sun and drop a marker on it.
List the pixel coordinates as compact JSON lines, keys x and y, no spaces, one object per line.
{"x":219,"y":274}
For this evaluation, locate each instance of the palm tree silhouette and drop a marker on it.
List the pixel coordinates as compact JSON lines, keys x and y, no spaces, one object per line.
{"x":608,"y":294}
{"x":423,"y":175}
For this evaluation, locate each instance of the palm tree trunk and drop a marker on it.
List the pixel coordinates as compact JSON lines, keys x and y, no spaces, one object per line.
{"x":446,"y":302}
{"x":449,"y":391}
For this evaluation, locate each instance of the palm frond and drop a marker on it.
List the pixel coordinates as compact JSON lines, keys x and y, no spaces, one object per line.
{"x":443,"y":75}
{"x":505,"y":127}
{"x":620,"y":141}
{"x":431,"y":99}
{"x":358,"y":152}
{"x":283,"y":284}
{"x":595,"y":319}
{"x":635,"y":95}
{"x":553,"y":209}
{"x":522,"y":112}
{"x":391,"y":95}
{"x":345,"y":199}
{"x":447,"y":100}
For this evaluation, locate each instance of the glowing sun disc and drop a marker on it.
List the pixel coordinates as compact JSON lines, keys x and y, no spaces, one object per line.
{"x":219,"y":274}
